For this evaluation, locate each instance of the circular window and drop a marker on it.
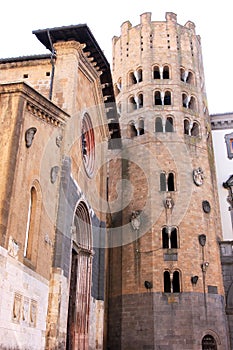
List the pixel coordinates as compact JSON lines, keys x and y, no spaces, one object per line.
{"x":88,"y":144}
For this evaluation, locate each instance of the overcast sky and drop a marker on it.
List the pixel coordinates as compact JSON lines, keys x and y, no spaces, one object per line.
{"x":213,"y":20}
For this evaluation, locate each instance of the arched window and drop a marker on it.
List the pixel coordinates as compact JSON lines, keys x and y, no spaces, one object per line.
{"x":167,"y":182}
{"x":156,"y":72}
{"x":185,"y":100}
{"x":170,"y":182}
{"x":176,"y":282}
{"x":171,"y":282}
{"x":132,"y":104}
{"x":186,"y":76}
{"x":158,"y":100}
{"x":208,"y":343}
{"x":192,"y":103}
{"x":32,"y":231}
{"x":169,"y":124}
{"x":166,"y":74}
{"x":119,"y":108}
{"x":135,"y":77}
{"x":174,"y":238}
{"x":141,"y":127}
{"x":132,"y":78}
{"x":166,"y":282}
{"x":169,"y":238}
{"x":31,"y":222}
{"x":117,"y":87}
{"x":140,"y":100}
{"x":138,"y":75}
{"x":163,"y":185}
{"x":88,"y":144}
{"x":190,"y":78}
{"x":186,"y":126}
{"x":167,"y":98}
{"x":158,"y":125}
{"x":183,"y":74}
{"x":165,"y":238}
{"x":132,"y":131}
{"x":195,"y":129}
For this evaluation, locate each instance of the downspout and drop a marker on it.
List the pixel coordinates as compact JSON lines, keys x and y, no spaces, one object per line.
{"x":53,"y":58}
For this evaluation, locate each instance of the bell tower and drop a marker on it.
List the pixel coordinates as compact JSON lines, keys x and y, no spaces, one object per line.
{"x":165,"y":284}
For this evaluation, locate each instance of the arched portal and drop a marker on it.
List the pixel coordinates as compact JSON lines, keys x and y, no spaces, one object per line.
{"x":80,"y":281}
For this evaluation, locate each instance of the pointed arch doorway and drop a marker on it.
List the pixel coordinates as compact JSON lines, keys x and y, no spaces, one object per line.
{"x":80,"y":281}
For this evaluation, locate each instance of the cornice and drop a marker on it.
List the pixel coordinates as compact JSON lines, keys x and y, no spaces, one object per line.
{"x":44,"y":115}
{"x":221,"y":121}
{"x":38,"y":105}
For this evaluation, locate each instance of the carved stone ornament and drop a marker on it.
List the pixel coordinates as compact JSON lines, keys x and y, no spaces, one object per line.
{"x":206,"y":206}
{"x":29,"y":136}
{"x":198,"y":176}
{"x":229,"y":144}
{"x":169,"y":203}
{"x":202,"y":240}
{"x":13,"y":248}
{"x":54,"y":174}
{"x":135,"y":220}
{"x":59,"y":140}
{"x":229,"y":186}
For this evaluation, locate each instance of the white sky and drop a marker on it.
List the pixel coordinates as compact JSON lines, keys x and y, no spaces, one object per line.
{"x":213,"y":20}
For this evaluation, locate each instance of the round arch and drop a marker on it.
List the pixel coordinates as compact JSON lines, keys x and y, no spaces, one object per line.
{"x":82,"y":225}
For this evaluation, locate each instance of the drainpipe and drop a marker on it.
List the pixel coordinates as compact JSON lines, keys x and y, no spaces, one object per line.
{"x":53,"y":58}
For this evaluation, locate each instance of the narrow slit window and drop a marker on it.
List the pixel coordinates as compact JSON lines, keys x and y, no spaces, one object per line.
{"x":30,"y":224}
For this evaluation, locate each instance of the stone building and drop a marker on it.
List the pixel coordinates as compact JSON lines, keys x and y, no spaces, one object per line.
{"x":57,"y":122}
{"x":109,"y":216}
{"x":222,"y":131}
{"x":165,"y":286}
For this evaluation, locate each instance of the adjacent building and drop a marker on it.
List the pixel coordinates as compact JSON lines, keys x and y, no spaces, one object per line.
{"x":222,"y":131}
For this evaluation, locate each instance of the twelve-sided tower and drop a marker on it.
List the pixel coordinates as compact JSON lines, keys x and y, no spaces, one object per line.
{"x":165,"y":285}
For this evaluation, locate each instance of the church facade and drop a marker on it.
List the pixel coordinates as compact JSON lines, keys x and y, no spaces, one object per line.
{"x":57,"y":122}
{"x":110,"y":224}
